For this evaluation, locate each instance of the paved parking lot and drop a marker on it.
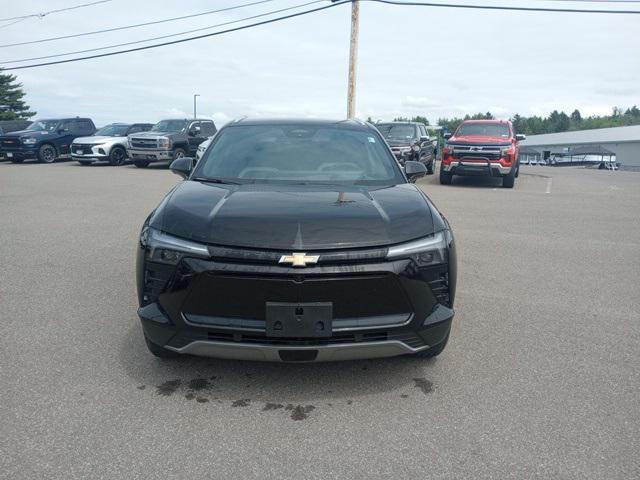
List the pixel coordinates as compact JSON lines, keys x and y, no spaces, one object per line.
{"x":541,"y":378}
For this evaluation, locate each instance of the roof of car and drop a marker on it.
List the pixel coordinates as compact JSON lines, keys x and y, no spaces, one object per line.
{"x":61,"y":119}
{"x":402,"y":123}
{"x":357,"y":124}
{"x":187,"y":119}
{"x":486,"y":121}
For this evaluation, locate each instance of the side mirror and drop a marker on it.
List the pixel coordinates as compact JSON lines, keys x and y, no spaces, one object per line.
{"x":447,"y":136}
{"x":520,"y":137}
{"x":182,"y":166}
{"x":195,"y":131}
{"x":63,"y":130}
{"x":414,"y":170}
{"x":423,"y":139}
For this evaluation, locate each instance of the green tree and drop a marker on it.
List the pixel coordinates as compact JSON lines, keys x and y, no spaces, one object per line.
{"x":12,"y":105}
{"x":576,"y":120}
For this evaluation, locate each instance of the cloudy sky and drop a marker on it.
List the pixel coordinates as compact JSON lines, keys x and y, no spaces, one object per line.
{"x":429,"y":61}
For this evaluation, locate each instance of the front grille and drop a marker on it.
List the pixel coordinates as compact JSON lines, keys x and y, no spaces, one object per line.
{"x":9,"y":143}
{"x":245,"y":296}
{"x":144,"y":143}
{"x":86,"y":149}
{"x":187,"y":336}
{"x":479,"y":152}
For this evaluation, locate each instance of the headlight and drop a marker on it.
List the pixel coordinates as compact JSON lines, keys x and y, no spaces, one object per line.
{"x":29,"y":141}
{"x":164,"y":142}
{"x":426,"y":251}
{"x":416,"y":148}
{"x":167,"y":249}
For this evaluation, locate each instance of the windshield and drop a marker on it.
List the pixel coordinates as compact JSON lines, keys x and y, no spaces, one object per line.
{"x":484,"y":130}
{"x":299,"y":154}
{"x":113,"y":131}
{"x":392,"y":131}
{"x":169,"y":126}
{"x":43,"y":126}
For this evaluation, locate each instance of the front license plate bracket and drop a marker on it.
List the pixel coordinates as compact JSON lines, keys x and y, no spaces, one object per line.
{"x":299,"y":320}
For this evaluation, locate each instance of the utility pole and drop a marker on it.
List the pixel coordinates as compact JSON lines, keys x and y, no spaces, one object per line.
{"x":195,"y":95}
{"x":353,"y":58}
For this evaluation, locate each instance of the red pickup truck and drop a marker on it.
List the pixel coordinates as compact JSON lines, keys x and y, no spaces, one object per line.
{"x":482,"y":147}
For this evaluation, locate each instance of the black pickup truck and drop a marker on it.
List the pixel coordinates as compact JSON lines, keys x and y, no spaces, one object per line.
{"x":45,"y":140}
{"x":168,"y":140}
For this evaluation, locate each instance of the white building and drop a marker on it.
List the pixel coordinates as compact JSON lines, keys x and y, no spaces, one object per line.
{"x":624,"y":142}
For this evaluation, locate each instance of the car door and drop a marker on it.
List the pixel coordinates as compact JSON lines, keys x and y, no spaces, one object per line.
{"x":195,"y":137}
{"x":66,"y":134}
{"x":426,"y":149}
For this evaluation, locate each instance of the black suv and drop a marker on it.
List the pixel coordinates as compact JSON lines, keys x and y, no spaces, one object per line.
{"x":168,"y":140}
{"x":45,"y":140}
{"x":409,"y":141}
{"x":296,"y":240}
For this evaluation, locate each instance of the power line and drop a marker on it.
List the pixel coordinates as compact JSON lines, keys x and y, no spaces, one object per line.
{"x":164,"y":36}
{"x":13,"y":23}
{"x":503,"y":7}
{"x":306,"y":12}
{"x":43,"y":14}
{"x":173,"y":42}
{"x":125,"y":27}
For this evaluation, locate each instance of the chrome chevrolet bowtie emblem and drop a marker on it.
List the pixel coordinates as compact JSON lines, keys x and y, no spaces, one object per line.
{"x":299,"y":259}
{"x":476,"y":149}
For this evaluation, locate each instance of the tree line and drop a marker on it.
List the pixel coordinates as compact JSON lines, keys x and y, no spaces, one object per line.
{"x":552,"y":123}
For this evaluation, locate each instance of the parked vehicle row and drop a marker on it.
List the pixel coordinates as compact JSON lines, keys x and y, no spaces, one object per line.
{"x":143,"y":143}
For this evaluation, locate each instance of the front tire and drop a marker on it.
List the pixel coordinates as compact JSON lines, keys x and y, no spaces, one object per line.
{"x":430,"y":167}
{"x":179,"y":153}
{"x":159,"y":351}
{"x":117,"y":156}
{"x":445,"y":177}
{"x":141,"y":163}
{"x":47,"y":154}
{"x":510,"y":179}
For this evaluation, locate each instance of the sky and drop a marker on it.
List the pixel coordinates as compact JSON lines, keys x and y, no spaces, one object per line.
{"x":434,"y":62}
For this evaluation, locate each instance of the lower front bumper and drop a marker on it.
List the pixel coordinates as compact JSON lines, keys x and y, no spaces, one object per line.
{"x":476,"y":168}
{"x":150,"y":155}
{"x":19,"y":154}
{"x":393,"y":342}
{"x":322,"y":353}
{"x":90,"y":158}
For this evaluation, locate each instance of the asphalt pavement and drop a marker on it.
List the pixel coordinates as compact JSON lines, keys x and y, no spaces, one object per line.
{"x":541,"y":378}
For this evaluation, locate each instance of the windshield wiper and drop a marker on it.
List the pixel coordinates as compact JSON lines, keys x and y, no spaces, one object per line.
{"x":215,"y":180}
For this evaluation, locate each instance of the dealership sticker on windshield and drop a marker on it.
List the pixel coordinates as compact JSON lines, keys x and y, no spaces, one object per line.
{"x":372,"y":140}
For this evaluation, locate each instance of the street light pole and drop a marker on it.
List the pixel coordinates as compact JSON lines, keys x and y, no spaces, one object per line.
{"x":353,"y":58}
{"x":194,"y":104}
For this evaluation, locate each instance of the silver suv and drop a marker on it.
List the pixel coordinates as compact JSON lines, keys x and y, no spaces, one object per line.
{"x":109,"y":144}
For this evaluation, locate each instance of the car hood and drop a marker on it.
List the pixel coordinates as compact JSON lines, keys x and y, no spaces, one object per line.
{"x":481,"y":139}
{"x":27,"y":133}
{"x":400,"y":143}
{"x":152,"y":134}
{"x":95,"y":140}
{"x":294,"y":217}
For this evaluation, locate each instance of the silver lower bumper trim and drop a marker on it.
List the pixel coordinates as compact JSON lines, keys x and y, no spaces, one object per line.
{"x":271,"y":353}
{"x":492,"y":165}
